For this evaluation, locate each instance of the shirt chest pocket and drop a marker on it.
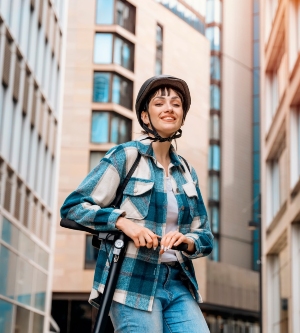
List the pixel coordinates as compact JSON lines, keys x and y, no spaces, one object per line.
{"x":136,"y":198}
{"x":192,"y":197}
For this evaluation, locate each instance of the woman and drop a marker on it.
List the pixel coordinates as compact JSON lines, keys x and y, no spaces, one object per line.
{"x":157,"y":289}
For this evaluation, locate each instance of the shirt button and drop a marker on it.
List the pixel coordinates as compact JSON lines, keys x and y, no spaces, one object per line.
{"x":177,"y":190}
{"x":186,"y":268}
{"x":182,"y":208}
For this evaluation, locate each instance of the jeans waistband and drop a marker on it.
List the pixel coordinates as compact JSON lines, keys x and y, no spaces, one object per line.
{"x":173,"y":264}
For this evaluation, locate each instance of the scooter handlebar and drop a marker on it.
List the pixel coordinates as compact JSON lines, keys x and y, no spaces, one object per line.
{"x":70,"y":224}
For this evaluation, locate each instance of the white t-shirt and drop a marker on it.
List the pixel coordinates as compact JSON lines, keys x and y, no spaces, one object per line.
{"x":172,"y":220}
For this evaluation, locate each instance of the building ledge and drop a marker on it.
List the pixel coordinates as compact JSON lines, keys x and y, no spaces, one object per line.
{"x":295,"y":189}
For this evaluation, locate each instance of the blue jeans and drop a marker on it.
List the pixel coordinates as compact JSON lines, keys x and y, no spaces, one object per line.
{"x":174,"y":309}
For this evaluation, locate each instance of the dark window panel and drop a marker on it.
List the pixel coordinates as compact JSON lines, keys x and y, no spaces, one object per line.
{"x":6,"y":63}
{"x":91,"y":253}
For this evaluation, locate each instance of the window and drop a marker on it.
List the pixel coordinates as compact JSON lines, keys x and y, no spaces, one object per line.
{"x":272,"y":97}
{"x":91,"y":253}
{"x":213,"y":11}
{"x":215,"y":97}
{"x":215,"y":68}
{"x":214,"y":218}
{"x":116,"y":12}
{"x":278,"y":267}
{"x":110,"y":48}
{"x":180,"y":10}
{"x":6,"y":316}
{"x":276,"y":185}
{"x":213,"y":35}
{"x":110,"y":127}
{"x":214,"y":256}
{"x":270,"y":11}
{"x":159,"y":50}
{"x":295,"y":145}
{"x":214,"y":188}
{"x":294,"y":32}
{"x":112,"y":88}
{"x":295,"y":273}
{"x":215,"y":127}
{"x":95,"y":157}
{"x":214,"y":158}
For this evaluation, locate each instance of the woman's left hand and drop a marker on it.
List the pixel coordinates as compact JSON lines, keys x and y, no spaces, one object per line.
{"x":175,"y":238}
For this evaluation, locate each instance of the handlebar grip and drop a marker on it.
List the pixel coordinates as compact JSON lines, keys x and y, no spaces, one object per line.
{"x":180,"y":247}
{"x":70,"y":224}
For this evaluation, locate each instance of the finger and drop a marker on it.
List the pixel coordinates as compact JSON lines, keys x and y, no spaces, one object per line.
{"x":149,"y":241}
{"x":136,"y":242}
{"x":142,"y":240}
{"x":174,"y":239}
{"x":180,"y":240}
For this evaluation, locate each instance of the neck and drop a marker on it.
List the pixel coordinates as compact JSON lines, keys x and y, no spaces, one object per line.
{"x":161,"y":150}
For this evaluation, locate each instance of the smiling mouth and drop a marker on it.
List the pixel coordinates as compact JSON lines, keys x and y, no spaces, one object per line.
{"x":168,"y":118}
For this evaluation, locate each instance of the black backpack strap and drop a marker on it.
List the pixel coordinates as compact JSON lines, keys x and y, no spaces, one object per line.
{"x":121,"y":188}
{"x":186,"y":163}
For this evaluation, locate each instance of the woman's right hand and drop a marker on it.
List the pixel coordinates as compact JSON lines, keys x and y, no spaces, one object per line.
{"x":141,"y":236}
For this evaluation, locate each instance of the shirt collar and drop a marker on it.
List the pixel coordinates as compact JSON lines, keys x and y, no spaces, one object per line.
{"x":145,"y":148}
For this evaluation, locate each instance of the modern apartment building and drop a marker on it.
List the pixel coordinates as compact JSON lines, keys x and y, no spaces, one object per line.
{"x":280,"y":164}
{"x":113,"y":46}
{"x":31,"y":39}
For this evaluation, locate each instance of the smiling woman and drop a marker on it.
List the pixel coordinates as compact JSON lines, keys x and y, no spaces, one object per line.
{"x":161,"y":201}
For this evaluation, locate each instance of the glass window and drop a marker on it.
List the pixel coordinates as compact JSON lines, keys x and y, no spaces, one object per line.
{"x":42,"y":258}
{"x":40,"y":288}
{"x":100,"y":128}
{"x":214,"y":157}
{"x":110,"y":127}
{"x":123,"y":53}
{"x":116,"y":12}
{"x":125,"y":15}
{"x":10,"y":234}
{"x":38,"y":323}
{"x":215,"y":68}
{"x":215,"y":127}
{"x":214,"y":187}
{"x":213,"y":11}
{"x":101,"y":87}
{"x":214,"y":218}
{"x":215,"y":97}
{"x":24,"y":282}
{"x":110,"y":48}
{"x":103,"y":48}
{"x":91,"y":253}
{"x":27,"y":246}
{"x":105,"y":12}
{"x":213,"y":35}
{"x":22,"y":320}
{"x":6,"y":316}
{"x":113,"y":88}
{"x":159,"y":50}
{"x":215,"y":251}
{"x":95,"y":157}
{"x":8,"y":265}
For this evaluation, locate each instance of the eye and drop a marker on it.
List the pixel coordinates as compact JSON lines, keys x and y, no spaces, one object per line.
{"x":158,"y":104}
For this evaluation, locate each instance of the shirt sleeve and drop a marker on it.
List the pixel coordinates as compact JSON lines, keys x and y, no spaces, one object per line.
{"x":200,"y":228}
{"x":89,"y":204}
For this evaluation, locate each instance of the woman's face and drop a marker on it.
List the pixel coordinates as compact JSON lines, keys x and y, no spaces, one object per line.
{"x":166,"y":113}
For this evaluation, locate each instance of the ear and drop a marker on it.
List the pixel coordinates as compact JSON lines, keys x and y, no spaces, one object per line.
{"x":145,"y":118}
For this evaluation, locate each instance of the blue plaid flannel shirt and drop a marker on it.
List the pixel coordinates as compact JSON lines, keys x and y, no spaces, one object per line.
{"x":144,"y":202}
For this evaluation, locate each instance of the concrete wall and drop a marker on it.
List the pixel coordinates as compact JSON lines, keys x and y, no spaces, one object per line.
{"x":236,"y":143}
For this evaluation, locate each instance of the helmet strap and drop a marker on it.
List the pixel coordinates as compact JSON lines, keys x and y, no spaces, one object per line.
{"x":157,"y":137}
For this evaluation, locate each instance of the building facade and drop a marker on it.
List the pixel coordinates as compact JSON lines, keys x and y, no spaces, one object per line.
{"x":112,"y":48}
{"x":280,"y":164}
{"x":31,"y":66}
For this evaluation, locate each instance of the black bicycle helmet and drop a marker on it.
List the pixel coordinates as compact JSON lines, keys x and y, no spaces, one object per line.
{"x":148,"y":87}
